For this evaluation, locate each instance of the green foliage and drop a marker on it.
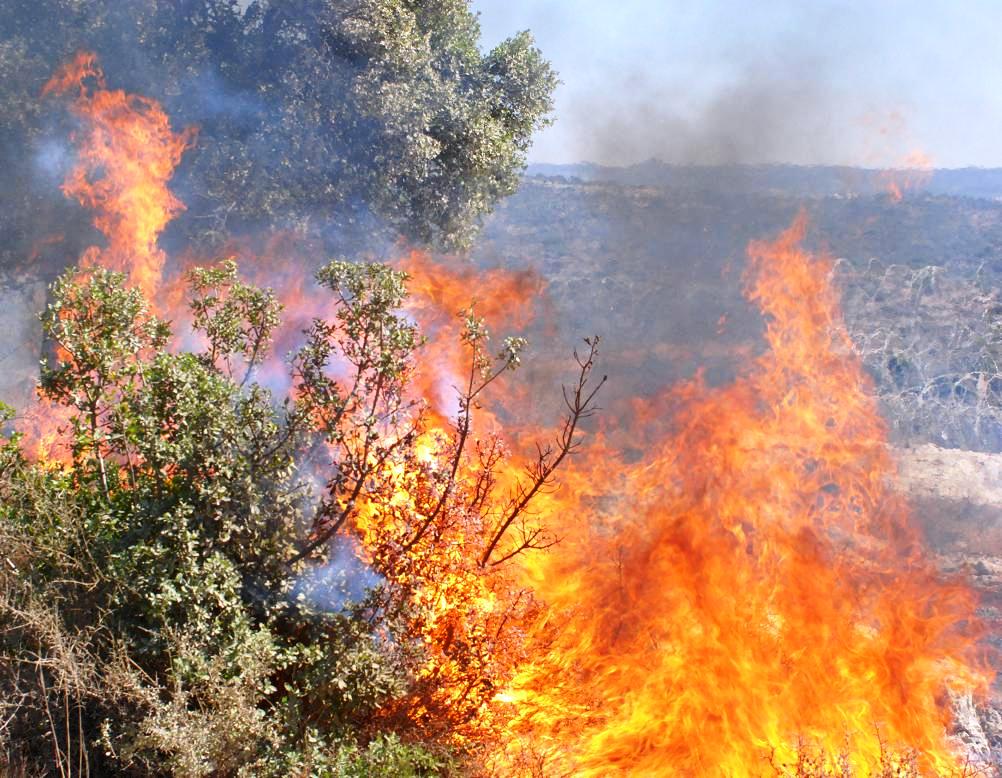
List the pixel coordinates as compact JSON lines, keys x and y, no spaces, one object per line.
{"x":237,"y":319}
{"x":364,"y":419}
{"x":380,"y":113}
{"x":374,"y":337}
{"x":150,"y":579}
{"x":388,"y":756}
{"x":156,"y":610}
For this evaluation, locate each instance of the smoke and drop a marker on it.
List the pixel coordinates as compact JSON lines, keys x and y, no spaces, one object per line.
{"x":205,"y":95}
{"x":54,"y":159}
{"x":723,"y":82}
{"x":772,"y":111}
{"x":337,"y":584}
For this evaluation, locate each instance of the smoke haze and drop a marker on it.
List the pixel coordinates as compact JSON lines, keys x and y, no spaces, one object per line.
{"x":777,"y":82}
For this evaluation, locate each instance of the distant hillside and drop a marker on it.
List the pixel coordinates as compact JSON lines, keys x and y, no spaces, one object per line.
{"x":791,"y":180}
{"x":657,"y":270}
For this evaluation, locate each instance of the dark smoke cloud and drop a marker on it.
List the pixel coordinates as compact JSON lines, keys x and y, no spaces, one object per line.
{"x":773,"y":112}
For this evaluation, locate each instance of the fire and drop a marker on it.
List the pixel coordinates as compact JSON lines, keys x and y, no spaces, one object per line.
{"x":749,"y":590}
{"x":916,"y":171}
{"x":470,"y":612}
{"x":439,"y":294}
{"x":759,"y":593}
{"x":127,"y":153}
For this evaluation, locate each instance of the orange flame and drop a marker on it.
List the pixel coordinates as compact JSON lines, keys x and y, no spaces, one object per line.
{"x":753,"y":580}
{"x":439,"y":294}
{"x":127,"y":155}
{"x":760,"y":588}
{"x":916,"y":172}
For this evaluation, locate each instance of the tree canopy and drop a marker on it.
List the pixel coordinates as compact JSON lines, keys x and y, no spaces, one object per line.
{"x":346,"y":117}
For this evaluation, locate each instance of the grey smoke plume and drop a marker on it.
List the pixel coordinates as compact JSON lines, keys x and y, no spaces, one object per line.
{"x":781,"y":81}
{"x":773,"y":112}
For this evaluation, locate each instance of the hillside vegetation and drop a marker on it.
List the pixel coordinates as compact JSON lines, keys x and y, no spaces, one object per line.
{"x":659,"y":269}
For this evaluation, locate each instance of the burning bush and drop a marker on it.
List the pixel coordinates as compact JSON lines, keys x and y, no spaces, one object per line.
{"x":170,"y":590}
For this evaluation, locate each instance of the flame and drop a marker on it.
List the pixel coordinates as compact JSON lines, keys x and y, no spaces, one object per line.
{"x":759,"y":591}
{"x":748,"y":588}
{"x":127,"y":153}
{"x":470,"y":615}
{"x":439,"y":294}
{"x":916,"y":171}
{"x":41,"y":425}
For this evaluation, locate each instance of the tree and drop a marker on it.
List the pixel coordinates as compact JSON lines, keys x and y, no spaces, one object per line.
{"x":216,"y":582}
{"x":344,"y":117}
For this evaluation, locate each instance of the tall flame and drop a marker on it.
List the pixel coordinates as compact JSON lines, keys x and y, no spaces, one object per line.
{"x":759,"y":593}
{"x":127,"y":153}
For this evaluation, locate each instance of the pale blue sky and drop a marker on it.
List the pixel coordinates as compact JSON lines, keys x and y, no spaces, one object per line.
{"x":804,"y":81}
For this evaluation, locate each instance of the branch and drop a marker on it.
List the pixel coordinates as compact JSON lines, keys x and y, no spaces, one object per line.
{"x":580,"y":406}
{"x":466,"y":402}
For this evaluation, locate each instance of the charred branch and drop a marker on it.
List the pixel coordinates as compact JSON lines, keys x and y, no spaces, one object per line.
{"x":580,"y":404}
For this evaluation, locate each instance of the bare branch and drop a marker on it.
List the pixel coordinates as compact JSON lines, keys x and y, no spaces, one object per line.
{"x":580,"y":406}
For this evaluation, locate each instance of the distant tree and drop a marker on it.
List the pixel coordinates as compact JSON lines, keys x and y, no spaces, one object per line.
{"x":181,"y":596}
{"x":351,"y":116}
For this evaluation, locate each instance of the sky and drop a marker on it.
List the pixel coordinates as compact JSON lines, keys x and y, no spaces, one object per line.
{"x":873,"y":83}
